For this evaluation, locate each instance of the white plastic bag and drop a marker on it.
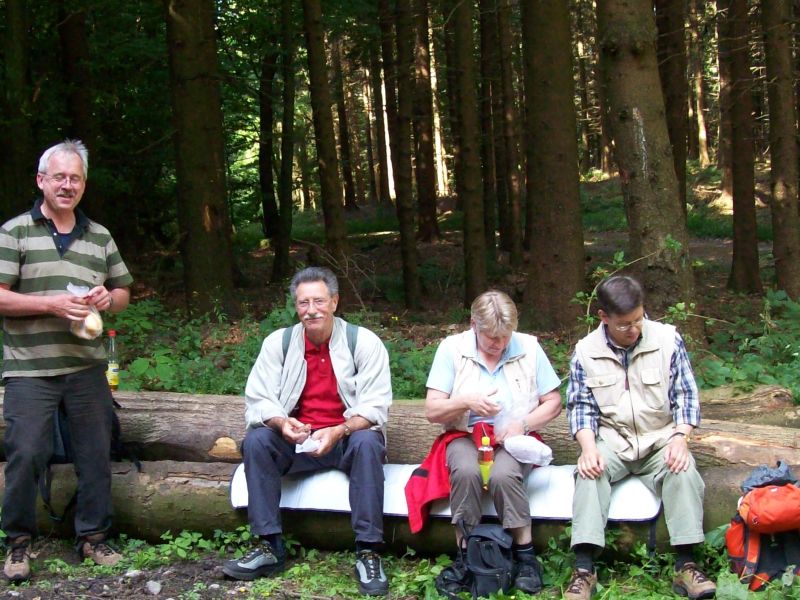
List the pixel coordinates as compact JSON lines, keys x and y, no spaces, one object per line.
{"x":90,"y":327}
{"x":527,"y":449}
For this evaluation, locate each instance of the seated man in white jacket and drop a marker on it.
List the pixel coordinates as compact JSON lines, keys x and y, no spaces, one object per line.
{"x":324,"y":384}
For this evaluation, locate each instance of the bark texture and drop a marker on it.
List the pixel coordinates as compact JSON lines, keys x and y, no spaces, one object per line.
{"x":199,"y":155}
{"x":657,"y":229}
{"x":321,"y":102}
{"x":556,"y":271}
{"x":776,"y":24}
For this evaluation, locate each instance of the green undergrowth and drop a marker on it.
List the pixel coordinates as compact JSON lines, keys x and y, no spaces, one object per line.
{"x":313,"y":573}
{"x":747,"y":352}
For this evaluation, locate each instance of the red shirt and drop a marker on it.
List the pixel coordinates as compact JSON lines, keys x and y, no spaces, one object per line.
{"x":319,"y":404}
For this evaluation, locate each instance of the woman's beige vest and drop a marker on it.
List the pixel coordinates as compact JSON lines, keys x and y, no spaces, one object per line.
{"x":635,"y":415}
{"x":520,"y":373}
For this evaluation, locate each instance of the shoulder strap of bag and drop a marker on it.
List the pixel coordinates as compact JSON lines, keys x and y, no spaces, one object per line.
{"x":351,"y":332}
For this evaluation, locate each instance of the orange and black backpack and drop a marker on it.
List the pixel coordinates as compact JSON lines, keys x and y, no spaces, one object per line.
{"x":764,"y":536}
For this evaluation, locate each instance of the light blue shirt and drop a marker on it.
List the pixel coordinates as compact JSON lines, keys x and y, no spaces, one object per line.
{"x":443,"y":371}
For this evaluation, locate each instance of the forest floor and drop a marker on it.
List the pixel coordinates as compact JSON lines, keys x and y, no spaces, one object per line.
{"x":373,"y":283}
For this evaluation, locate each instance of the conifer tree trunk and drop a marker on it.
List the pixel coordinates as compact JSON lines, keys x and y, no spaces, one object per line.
{"x":442,"y":176}
{"x":386,"y":21}
{"x":556,"y":259}
{"x":468,"y":169}
{"x":17,"y":154}
{"x":321,"y":102}
{"x":203,"y":216}
{"x":345,"y":152}
{"x":724,"y":137}
{"x":657,"y":229}
{"x":511,"y":120}
{"x":266,"y":113}
{"x":776,"y":24}
{"x":425,"y":167}
{"x":671,"y":52}
{"x":489,"y":87}
{"x":281,"y":268}
{"x":698,"y":87}
{"x":402,"y":164}
{"x":448,"y":8}
{"x":384,"y":197}
{"x":744,"y":276}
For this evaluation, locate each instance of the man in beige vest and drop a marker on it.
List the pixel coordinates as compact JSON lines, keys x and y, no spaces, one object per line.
{"x":632,"y":405}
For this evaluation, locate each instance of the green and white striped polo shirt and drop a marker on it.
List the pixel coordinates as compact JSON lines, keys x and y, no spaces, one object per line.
{"x":42,"y":345}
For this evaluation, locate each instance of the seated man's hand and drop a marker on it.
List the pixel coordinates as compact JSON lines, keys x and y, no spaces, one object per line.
{"x":677,"y":454}
{"x":327,"y":439}
{"x":294,"y":431}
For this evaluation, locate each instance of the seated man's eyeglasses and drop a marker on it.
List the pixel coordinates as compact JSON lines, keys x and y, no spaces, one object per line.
{"x":628,"y":326}
{"x":317,"y":302}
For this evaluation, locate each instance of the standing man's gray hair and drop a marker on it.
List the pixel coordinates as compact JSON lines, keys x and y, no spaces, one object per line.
{"x":312,"y":274}
{"x":66,"y":147}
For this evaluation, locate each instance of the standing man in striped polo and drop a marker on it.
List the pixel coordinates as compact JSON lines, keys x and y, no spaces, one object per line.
{"x":44,"y":364}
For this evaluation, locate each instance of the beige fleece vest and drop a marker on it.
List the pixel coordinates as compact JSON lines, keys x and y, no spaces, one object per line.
{"x":635,"y":416}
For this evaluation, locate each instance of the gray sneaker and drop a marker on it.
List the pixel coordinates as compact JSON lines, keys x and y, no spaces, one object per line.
{"x":261,"y":561}
{"x":372,"y":580}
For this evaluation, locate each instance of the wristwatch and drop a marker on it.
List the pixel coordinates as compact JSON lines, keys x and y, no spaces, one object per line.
{"x":347,"y":430}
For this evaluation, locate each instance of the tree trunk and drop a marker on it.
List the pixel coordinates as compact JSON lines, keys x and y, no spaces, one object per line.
{"x":370,"y":134}
{"x":584,"y":122}
{"x":17,"y":152}
{"x":489,"y":87}
{"x":330,"y":184}
{"x":511,"y":120}
{"x":776,"y":24}
{"x":305,"y":172}
{"x":657,"y":229}
{"x":469,"y":171}
{"x":765,"y":405}
{"x":200,"y":156}
{"x":175,"y":496}
{"x":281,"y":268}
{"x":671,"y":54}
{"x":696,"y":75}
{"x":425,"y":168}
{"x":384,"y":197}
{"x":266,"y":116}
{"x":345,"y":152}
{"x":402,"y":164}
{"x":556,"y":259}
{"x":452,"y":87}
{"x":442,"y":176}
{"x":386,"y":21}
{"x":745,"y":275}
{"x":724,"y":137}
{"x":76,"y":61}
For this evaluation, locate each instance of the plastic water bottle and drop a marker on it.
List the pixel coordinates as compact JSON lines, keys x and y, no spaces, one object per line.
{"x":485,"y":460}
{"x":112,"y":372}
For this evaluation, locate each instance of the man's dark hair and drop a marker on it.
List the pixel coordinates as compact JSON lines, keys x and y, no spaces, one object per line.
{"x":313,"y":274}
{"x":620,"y":295}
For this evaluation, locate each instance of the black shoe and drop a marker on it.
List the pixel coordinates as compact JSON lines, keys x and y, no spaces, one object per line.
{"x":372,"y":580}
{"x":528,"y":575}
{"x":453,"y":579}
{"x":261,"y":561}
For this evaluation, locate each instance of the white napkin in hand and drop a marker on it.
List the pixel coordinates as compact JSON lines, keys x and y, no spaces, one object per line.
{"x":308,"y":446}
{"x":527,"y":449}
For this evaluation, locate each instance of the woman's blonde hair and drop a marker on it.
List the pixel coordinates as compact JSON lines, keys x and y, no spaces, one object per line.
{"x":494,"y":313}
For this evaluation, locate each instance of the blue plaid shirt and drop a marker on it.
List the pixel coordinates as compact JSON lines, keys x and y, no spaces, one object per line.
{"x":684,"y":402}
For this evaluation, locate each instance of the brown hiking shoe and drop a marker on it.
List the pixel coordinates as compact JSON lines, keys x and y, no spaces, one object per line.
{"x":581,"y":586}
{"x":95,"y":548}
{"x":692,"y":582}
{"x":18,"y":560}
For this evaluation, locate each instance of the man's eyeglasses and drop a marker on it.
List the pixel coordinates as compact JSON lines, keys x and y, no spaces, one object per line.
{"x":629,"y":326}
{"x":61,"y":178}
{"x":317,"y":302}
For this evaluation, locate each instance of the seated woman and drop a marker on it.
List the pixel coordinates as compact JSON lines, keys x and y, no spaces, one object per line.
{"x":492,"y":375}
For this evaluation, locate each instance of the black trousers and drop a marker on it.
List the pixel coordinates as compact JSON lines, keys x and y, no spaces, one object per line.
{"x":28,"y":409}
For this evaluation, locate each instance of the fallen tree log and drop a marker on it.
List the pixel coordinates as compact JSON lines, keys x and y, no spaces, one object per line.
{"x":763,"y":405}
{"x":175,"y":496}
{"x":207,"y":428}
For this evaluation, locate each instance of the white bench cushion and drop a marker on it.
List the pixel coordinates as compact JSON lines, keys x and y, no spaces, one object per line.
{"x":550,"y":490}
